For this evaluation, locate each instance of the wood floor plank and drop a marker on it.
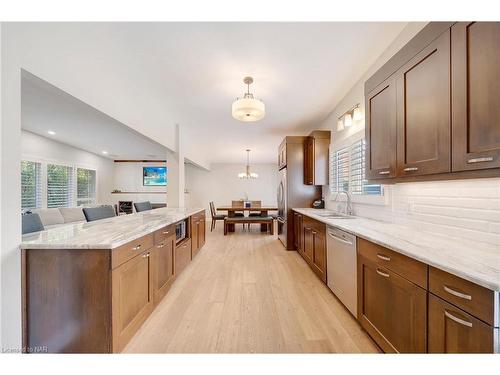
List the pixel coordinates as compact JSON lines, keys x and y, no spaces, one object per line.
{"x":244,"y":293}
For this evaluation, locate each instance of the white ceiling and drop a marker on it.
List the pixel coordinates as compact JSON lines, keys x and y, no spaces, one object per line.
{"x":47,"y":108}
{"x":150,"y":76}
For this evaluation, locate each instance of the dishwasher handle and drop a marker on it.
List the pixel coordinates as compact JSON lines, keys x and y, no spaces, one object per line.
{"x":339,"y":239}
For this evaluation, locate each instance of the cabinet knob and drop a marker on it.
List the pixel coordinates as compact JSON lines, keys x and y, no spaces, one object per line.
{"x":382,"y":273}
{"x":457,"y":319}
{"x":146,"y":255}
{"x":480,"y":160}
{"x":161,"y":245}
{"x":137,"y":247}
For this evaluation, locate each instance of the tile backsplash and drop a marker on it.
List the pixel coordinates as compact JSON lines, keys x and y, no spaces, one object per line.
{"x":468,"y":209}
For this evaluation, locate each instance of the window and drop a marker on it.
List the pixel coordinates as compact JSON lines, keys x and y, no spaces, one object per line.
{"x":85,"y":186}
{"x":347,"y":171}
{"x":31,"y":184}
{"x":59,"y":186}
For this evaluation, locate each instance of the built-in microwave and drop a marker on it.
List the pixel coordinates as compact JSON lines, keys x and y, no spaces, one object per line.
{"x":180,"y":231}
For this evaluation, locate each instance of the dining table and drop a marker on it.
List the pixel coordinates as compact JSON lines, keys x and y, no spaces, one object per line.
{"x":264,"y":211}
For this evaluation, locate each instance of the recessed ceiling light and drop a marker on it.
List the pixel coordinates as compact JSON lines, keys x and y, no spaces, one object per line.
{"x":51,"y":132}
{"x":104,"y":152}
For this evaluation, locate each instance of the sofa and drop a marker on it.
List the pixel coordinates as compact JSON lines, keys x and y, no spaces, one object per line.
{"x":56,"y":217}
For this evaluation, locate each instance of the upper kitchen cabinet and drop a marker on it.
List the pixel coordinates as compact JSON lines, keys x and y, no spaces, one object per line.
{"x":475,"y":73}
{"x":381,"y":131}
{"x":316,"y":153}
{"x":423,"y":111}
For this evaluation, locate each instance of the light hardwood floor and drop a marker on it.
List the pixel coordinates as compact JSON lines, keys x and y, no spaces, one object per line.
{"x":243,"y":293}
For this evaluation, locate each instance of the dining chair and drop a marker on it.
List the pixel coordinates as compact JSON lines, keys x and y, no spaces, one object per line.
{"x":98,"y":213}
{"x":255,"y":204}
{"x":215,"y":216}
{"x":31,"y":223}
{"x":143,"y":206}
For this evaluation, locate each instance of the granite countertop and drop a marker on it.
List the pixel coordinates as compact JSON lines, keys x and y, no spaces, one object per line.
{"x":474,"y":261}
{"x":105,"y":234}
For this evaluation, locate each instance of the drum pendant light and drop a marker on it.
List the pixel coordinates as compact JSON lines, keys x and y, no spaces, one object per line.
{"x":248,"y":109}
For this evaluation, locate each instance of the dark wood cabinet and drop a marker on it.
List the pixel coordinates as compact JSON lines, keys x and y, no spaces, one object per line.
{"x":314,"y":245}
{"x":475,"y":73}
{"x":132,"y":297}
{"x":423,"y":108}
{"x":446,"y":117}
{"x":298,"y":232}
{"x":391,"y":309}
{"x":380,"y":130}
{"x":316,"y":158}
{"x":452,"y":330}
{"x":197,"y":233}
{"x":163,"y":261}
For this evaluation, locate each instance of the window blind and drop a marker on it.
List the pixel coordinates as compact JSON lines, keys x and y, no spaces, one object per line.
{"x":59,"y":186}
{"x":31,"y":186}
{"x":347,"y":171}
{"x":85,"y":186}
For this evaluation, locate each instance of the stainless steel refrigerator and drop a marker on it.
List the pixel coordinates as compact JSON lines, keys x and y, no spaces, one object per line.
{"x":292,"y":192}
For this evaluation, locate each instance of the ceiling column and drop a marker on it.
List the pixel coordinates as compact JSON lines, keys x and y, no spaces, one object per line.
{"x":176,"y":171}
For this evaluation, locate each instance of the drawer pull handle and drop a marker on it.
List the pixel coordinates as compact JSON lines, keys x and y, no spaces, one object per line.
{"x":384,"y":172}
{"x":480,"y":160}
{"x":161,"y":245}
{"x":410,"y":169}
{"x":456,"y":293}
{"x":146,"y":255}
{"x":458,"y":320}
{"x":137,"y":247}
{"x":382,"y":273}
{"x":384,"y":257}
{"x":166,"y":232}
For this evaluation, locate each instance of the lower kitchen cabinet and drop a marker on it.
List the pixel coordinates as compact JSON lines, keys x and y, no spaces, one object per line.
{"x":452,"y":330}
{"x":313,"y":245}
{"x":391,"y":309}
{"x":298,"y":226}
{"x":132,"y":297}
{"x":198,"y":232}
{"x":182,"y":256}
{"x":164,"y":271}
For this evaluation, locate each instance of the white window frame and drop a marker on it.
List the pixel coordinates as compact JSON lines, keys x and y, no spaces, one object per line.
{"x":43,"y":175}
{"x":379,"y":200}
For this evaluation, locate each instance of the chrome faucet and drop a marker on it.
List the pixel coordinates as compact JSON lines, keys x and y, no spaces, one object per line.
{"x":348,"y":202}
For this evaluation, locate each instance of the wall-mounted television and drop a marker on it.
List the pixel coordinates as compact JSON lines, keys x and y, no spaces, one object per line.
{"x":154,"y":176}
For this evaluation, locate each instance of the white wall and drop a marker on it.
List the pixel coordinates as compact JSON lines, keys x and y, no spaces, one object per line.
{"x":128,"y":177}
{"x":468,"y":209}
{"x":34,"y":146}
{"x":222,"y":185}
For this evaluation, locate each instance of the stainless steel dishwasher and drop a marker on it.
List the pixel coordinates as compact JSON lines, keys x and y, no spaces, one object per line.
{"x":342,"y":267}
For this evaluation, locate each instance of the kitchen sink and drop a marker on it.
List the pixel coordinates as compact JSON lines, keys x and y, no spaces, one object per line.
{"x":333,"y":215}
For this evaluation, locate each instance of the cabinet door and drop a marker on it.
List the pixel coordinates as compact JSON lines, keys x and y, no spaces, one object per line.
{"x":423,"y":124}
{"x":163,"y":267}
{"x":183,"y":255}
{"x":476,"y":91}
{"x":319,"y":255}
{"x":132,"y":297}
{"x":299,"y":229}
{"x":452,"y":330}
{"x":308,"y":244}
{"x":392,"y":309}
{"x":309,"y":161}
{"x":194,"y":235}
{"x":380,"y":131}
{"x":201,"y":232}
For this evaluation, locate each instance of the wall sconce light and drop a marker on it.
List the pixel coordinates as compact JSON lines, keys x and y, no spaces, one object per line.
{"x":352,"y":115}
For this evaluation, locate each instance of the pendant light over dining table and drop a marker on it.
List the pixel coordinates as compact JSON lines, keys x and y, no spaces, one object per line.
{"x":247,"y":174}
{"x":248,"y":109}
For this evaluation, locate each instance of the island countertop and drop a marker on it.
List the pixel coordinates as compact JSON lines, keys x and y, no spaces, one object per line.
{"x":107,"y":233}
{"x":473,"y":261}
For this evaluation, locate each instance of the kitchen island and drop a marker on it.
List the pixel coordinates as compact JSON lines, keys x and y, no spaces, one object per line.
{"x":88,"y":287}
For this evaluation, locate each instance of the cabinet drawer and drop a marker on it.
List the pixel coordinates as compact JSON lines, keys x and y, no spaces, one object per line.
{"x":128,"y":251}
{"x":409,"y":268}
{"x":315,"y":225}
{"x":162,"y":234}
{"x":474,"y":299}
{"x":182,"y":256}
